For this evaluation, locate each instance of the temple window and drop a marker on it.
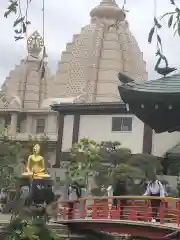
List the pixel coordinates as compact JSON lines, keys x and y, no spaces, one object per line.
{"x":21,"y":123}
{"x":7,"y":120}
{"x":121,"y":124}
{"x":2,"y":124}
{"x":40,"y":125}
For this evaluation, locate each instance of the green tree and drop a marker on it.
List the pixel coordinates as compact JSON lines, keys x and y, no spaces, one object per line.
{"x":119,"y":161}
{"x":146,"y":162}
{"x":113,"y":153}
{"x":123,"y":171}
{"x":102,"y":176}
{"x":29,"y":223}
{"x":129,"y":175}
{"x":84,"y":160}
{"x":171,"y":161}
{"x":23,"y":227}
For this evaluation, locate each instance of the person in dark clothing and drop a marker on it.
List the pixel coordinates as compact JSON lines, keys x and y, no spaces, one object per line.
{"x":74,"y":193}
{"x":40,"y":192}
{"x":3,"y":196}
{"x":120,"y":190}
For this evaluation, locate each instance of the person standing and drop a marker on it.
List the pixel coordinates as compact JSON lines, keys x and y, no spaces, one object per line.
{"x":74,"y":193}
{"x":155,"y":189}
{"x":110,"y":192}
{"x":3,"y":196}
{"x":118,"y":191}
{"x":110,"y":200}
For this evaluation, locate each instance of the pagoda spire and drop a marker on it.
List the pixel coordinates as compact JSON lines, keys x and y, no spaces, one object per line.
{"x":108,"y":2}
{"x":108,"y":9}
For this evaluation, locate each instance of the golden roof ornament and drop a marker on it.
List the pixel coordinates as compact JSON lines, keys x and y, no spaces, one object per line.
{"x":35,"y":44}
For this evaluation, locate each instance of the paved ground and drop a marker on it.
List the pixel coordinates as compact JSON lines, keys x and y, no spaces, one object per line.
{"x":4,"y":218}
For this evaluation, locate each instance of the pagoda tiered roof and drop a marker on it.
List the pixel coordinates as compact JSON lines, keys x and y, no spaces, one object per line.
{"x":156,"y":102}
{"x":160,"y":89}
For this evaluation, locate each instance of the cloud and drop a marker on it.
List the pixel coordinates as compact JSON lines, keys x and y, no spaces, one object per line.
{"x":65,"y":18}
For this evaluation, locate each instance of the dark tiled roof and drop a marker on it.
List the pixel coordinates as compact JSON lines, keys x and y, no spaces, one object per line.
{"x":170,"y":84}
{"x":162,"y":90}
{"x":156,"y":103}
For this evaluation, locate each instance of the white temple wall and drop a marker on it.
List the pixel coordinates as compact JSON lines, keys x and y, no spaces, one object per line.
{"x":67,"y":132}
{"x":98,"y":128}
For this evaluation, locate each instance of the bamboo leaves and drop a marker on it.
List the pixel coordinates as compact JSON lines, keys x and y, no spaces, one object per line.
{"x":151,"y":33}
{"x":18,"y":21}
{"x":12,"y":8}
{"x":156,"y":26}
{"x":172,"y":23}
{"x":156,"y":23}
{"x":174,"y":19}
{"x":21,"y":22}
{"x":159,"y":40}
{"x":178,"y":28}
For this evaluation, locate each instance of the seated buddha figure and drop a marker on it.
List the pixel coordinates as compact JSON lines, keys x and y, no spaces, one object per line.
{"x":35,"y":165}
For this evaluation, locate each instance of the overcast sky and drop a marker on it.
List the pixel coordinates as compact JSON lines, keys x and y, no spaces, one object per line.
{"x":65,"y":18}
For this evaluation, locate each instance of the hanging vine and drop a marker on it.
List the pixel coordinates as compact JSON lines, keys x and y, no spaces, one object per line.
{"x":21,"y":22}
{"x":173,"y":23}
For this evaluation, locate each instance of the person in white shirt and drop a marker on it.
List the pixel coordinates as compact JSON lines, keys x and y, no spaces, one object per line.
{"x":110,"y":192}
{"x":155,"y":189}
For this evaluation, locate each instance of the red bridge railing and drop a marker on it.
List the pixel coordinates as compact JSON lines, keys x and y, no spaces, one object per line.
{"x":122,"y":208}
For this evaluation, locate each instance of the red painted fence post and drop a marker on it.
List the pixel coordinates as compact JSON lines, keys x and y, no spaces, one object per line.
{"x":94,"y":210}
{"x":147,"y":210}
{"x":132,"y":211}
{"x":162,"y":211}
{"x":83,"y":210}
{"x":106,"y":210}
{"x":178,"y":212}
{"x":74,"y":209}
{"x":119,"y":208}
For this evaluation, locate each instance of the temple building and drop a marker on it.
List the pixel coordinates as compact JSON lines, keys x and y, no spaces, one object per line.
{"x":84,"y":89}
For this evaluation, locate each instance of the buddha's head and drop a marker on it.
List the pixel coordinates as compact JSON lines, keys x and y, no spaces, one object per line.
{"x":36,"y":149}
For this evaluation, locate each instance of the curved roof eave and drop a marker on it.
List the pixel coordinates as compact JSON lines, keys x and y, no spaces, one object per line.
{"x":166,"y":89}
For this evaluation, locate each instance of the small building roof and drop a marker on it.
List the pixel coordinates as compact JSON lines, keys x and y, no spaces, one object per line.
{"x":91,"y":108}
{"x":51,"y":101}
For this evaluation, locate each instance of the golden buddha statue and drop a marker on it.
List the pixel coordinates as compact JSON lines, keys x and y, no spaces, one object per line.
{"x":35,"y":165}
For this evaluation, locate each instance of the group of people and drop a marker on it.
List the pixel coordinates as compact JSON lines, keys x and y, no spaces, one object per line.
{"x":154,"y":189}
